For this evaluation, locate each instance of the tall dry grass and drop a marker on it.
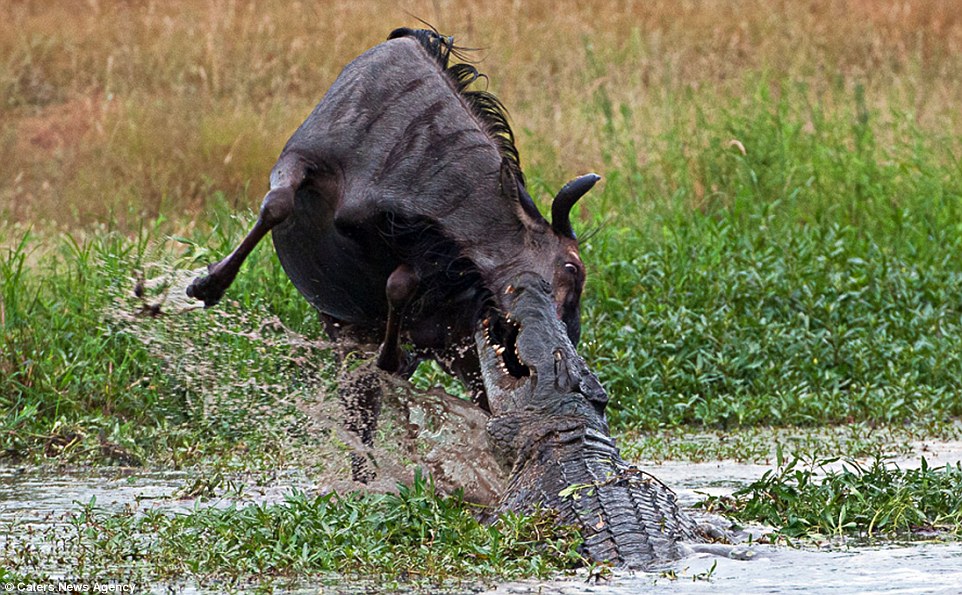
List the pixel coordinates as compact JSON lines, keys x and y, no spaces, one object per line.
{"x":116,"y":111}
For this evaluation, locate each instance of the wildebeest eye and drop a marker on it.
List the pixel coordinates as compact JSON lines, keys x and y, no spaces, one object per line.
{"x":571,"y":268}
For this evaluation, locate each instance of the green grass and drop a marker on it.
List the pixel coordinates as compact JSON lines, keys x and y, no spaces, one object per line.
{"x":416,"y":537}
{"x":65,"y":365}
{"x":867,"y":500}
{"x":815,"y":281}
{"x":89,"y":375}
{"x":725,"y":325}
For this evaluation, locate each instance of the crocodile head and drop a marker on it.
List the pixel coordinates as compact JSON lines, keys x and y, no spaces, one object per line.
{"x":531,"y":371}
{"x":548,"y":430}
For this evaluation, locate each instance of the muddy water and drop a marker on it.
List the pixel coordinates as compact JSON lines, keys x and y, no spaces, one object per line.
{"x":921,"y":568}
{"x":30,"y":496}
{"x":38,"y":499}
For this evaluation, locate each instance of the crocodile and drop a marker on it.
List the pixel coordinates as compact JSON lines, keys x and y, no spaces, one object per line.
{"x":549,"y":430}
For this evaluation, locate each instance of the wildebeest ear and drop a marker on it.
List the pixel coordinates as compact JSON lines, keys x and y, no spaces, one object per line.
{"x":513,"y":189}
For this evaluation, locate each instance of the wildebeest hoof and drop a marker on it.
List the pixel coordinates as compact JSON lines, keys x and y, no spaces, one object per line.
{"x":397,"y":361}
{"x":388,"y":360}
{"x":207,"y":289}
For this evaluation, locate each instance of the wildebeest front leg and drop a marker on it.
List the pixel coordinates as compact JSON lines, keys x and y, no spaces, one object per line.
{"x":277,"y":206}
{"x":401,"y":285}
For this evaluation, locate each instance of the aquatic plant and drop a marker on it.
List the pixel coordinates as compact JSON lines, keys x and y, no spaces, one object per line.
{"x":878,"y":499}
{"x":415,"y":536}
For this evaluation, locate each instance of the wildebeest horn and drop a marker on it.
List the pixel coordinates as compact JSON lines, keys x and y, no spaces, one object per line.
{"x":566,"y":198}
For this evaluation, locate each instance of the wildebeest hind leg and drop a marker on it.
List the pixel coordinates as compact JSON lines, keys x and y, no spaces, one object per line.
{"x":277,"y":206}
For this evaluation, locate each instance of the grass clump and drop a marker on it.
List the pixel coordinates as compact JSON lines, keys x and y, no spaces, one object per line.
{"x":878,"y":499}
{"x":415,"y":535}
{"x":66,"y":371}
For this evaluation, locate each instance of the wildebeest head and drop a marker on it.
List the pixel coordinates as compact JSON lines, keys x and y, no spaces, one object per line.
{"x":553,"y":247}
{"x":506,"y":235}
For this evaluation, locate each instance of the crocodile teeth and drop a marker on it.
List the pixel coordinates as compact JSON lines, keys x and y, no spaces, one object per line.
{"x":499,"y":350}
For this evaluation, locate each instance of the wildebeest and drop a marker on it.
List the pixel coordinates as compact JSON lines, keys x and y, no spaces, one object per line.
{"x":399,"y":210}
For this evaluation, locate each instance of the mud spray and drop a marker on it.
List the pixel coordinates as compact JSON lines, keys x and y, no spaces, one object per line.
{"x":245,"y":372}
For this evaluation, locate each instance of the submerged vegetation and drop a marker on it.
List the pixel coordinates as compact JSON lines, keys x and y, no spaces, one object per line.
{"x":776,"y":243}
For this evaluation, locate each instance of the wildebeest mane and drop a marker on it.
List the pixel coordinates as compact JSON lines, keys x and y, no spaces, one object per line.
{"x":485,"y":106}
